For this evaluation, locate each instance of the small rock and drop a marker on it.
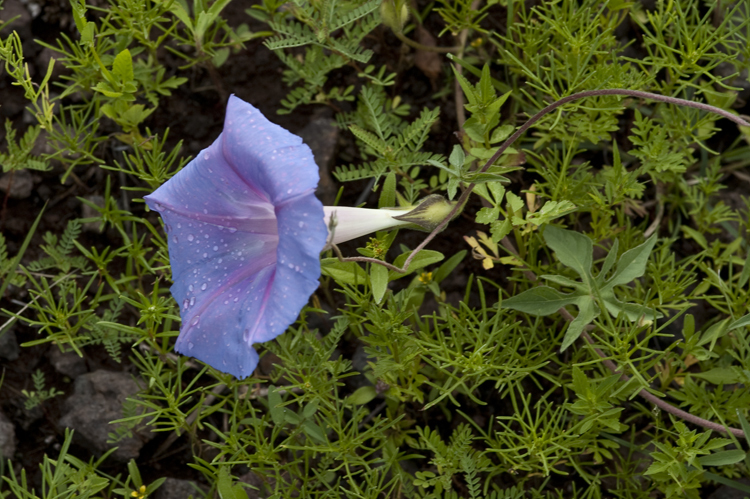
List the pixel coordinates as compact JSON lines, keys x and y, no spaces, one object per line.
{"x":322,"y":135}
{"x":20,"y":183}
{"x":22,"y":25}
{"x":67,"y":363}
{"x":259,"y":487}
{"x":175,"y":488}
{"x":727,"y":492}
{"x":9,"y":345}
{"x":97,"y":399}
{"x":7,"y":438}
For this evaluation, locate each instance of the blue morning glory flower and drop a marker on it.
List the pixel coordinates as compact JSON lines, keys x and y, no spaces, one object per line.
{"x":245,"y":233}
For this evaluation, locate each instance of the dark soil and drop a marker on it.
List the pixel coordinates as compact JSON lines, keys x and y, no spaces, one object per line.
{"x":194,"y":114}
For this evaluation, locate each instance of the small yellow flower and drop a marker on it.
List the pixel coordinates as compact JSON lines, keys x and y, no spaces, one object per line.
{"x":140,"y":493}
{"x":476,"y":43}
{"x":425,"y":278}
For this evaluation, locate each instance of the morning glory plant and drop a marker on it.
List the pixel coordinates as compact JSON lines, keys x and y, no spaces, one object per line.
{"x":245,"y":232}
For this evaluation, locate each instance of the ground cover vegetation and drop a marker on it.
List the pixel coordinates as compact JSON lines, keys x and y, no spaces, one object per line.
{"x":578,"y":330}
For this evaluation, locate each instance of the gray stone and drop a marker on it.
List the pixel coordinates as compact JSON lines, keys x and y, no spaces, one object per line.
{"x":97,"y":399}
{"x":68,"y":363}
{"x":9,"y":345}
{"x":322,"y":135}
{"x":22,"y":25}
{"x":19,"y":183}
{"x":175,"y":488}
{"x":727,"y":492}
{"x":258,"y":489}
{"x":7,"y":438}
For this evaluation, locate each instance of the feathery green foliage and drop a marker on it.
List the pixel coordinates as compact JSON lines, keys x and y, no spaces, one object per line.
{"x":455,"y":378}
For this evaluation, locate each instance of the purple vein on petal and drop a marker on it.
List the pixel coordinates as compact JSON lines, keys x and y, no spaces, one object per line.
{"x":294,"y":198}
{"x":250,"y":332}
{"x":258,"y":265}
{"x":263,"y":222}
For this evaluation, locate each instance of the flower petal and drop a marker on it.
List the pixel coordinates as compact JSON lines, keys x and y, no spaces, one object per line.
{"x":302,"y":235}
{"x":225,"y":239}
{"x":275,"y":160}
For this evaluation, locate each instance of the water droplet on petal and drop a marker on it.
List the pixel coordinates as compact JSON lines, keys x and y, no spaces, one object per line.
{"x":216,"y":248}
{"x":205,"y":211}
{"x":196,"y":320}
{"x":174,"y":239}
{"x":192,"y":301}
{"x":232,"y":230}
{"x":179,"y":225}
{"x":190,"y":288}
{"x":185,"y":304}
{"x":191,"y":237}
{"x":301,"y":224}
{"x":158,"y":207}
{"x":190,"y":344}
{"x":203,"y":286}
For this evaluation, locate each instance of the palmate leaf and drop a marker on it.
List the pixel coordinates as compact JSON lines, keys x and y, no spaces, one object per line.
{"x":575,"y":250}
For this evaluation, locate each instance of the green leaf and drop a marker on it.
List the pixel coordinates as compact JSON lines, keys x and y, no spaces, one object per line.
{"x":500,"y":229}
{"x":225,"y":487}
{"x":745,"y":275}
{"x":487,"y":215}
{"x":388,"y":194}
{"x":632,"y":264}
{"x":123,"y":66}
{"x":474,"y":129}
{"x":345,"y":272}
{"x":457,"y":157}
{"x":541,"y":300}
{"x":743,"y":423}
{"x":423,"y":259}
{"x":314,"y":431}
{"x":550,"y":211}
{"x":741,"y":322}
{"x":501,"y":133}
{"x":181,"y":14}
{"x":573,"y":249}
{"x":362,"y":395}
{"x":608,"y":262}
{"x":699,"y":238}
{"x":718,"y":375}
{"x":587,"y":312}
{"x":378,"y":281}
{"x":274,"y":406}
{"x":515,"y":203}
{"x":722,"y":458}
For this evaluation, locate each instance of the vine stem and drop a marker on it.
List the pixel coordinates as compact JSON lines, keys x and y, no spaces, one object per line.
{"x":660,"y":403}
{"x":561,"y":102}
{"x":426,"y":48}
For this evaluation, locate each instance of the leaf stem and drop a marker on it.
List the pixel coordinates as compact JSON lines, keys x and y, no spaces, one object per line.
{"x":661,"y":404}
{"x":426,"y":48}
{"x":580,"y":95}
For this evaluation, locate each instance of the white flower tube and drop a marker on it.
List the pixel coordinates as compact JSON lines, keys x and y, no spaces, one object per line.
{"x":352,"y":223}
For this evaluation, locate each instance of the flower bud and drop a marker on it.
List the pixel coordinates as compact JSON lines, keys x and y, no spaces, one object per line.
{"x":394,"y":13}
{"x":428,"y":213}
